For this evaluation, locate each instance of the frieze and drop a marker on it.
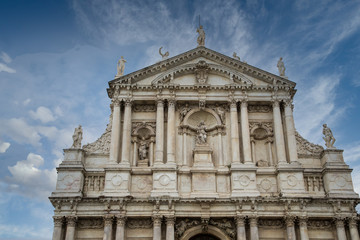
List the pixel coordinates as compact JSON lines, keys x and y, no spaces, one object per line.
{"x":144,"y":108}
{"x":96,"y":223}
{"x":134,"y":223}
{"x":271,"y":223}
{"x":319,"y":224}
{"x":305,"y":148}
{"x":259,"y":108}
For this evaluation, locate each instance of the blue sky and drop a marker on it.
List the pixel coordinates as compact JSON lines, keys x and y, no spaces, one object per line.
{"x":56,"y":58}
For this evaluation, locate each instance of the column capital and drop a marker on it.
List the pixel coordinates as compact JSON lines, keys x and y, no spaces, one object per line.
{"x":233,"y":103}
{"x":121,"y":220}
{"x":289,"y":220}
{"x":58,"y":221}
{"x":288,"y":102}
{"x":170,"y":220}
{"x":303,"y":221}
{"x":240,"y":220}
{"x":160,"y":102}
{"x":244,"y":101}
{"x":128,"y":102}
{"x":253,"y":221}
{"x":116,"y":102}
{"x":339,"y":222}
{"x":108,"y":220}
{"x":157,"y":219}
{"x":171,"y":103}
{"x":275,"y":102}
{"x":71,"y":221}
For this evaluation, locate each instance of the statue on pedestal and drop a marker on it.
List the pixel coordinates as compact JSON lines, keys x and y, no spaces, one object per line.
{"x":120,"y":67}
{"x":201,"y":136}
{"x":236,"y":56}
{"x":281,"y":67}
{"x":163,"y":55}
{"x":77,"y":137}
{"x":201,"y":37}
{"x":328,"y":137}
{"x":143,"y":149}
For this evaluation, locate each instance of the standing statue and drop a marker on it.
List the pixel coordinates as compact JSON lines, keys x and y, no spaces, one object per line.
{"x":77,"y":137}
{"x":163,"y":55}
{"x":184,"y":111}
{"x":236,"y":56}
{"x":143,"y":149}
{"x":120,"y":67}
{"x":221,"y":112}
{"x":201,"y":37}
{"x":328,"y":137}
{"x":281,"y":67}
{"x":201,"y":136}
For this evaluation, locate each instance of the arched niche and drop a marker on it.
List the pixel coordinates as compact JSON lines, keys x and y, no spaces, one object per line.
{"x":195,"y":116}
{"x":199,"y":230}
{"x":143,"y":139}
{"x":261,"y":144}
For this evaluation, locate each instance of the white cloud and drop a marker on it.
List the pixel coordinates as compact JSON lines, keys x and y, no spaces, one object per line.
{"x":26,"y":102}
{"x":6,"y":58}
{"x":29,"y":180}
{"x":5,"y":68}
{"x":25,"y":232}
{"x":43,"y":114}
{"x":20,"y":131}
{"x":4,"y":146}
{"x":352,"y":153}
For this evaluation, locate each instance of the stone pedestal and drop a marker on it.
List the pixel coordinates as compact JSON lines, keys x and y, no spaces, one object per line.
{"x":290,"y":179}
{"x":164,"y":182}
{"x":203,"y":173}
{"x":117,"y":182}
{"x":243,"y":180}
{"x":70,"y":179}
{"x":337,"y":175}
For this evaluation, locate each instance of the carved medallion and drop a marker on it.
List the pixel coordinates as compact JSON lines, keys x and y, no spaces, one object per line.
{"x":244,"y":180}
{"x":141,"y":184}
{"x":164,"y":180}
{"x":340,"y":181}
{"x":292,"y":181}
{"x":116,"y":180}
{"x":266,"y":184}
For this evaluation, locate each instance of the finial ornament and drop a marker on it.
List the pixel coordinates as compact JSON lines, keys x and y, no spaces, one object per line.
{"x":236,"y":56}
{"x":201,"y":37}
{"x":163,"y":55}
{"x":120,"y":67}
{"x":328,"y":137}
{"x":281,"y":67}
{"x":77,"y":137}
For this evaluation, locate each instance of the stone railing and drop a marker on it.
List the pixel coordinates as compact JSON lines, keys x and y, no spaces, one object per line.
{"x":314,"y":184}
{"x":94,"y":183}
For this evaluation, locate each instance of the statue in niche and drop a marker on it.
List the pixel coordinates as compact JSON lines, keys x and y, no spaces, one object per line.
{"x":221,"y":112}
{"x":184,"y":111}
{"x":281,"y":67}
{"x":328,"y":137}
{"x":201,"y":37}
{"x":201,"y":136}
{"x":77,"y":137}
{"x":163,"y":55}
{"x":121,"y":66}
{"x":143,"y":149}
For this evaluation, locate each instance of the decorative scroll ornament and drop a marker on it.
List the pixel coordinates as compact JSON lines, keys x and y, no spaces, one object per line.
{"x":202,"y":72}
{"x":306,"y":148}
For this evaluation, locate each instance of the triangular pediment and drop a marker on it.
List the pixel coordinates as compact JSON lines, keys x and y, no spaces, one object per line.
{"x":192,"y":67}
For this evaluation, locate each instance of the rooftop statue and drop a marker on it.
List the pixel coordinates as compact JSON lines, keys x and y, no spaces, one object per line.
{"x":120,"y":67}
{"x":163,"y":55}
{"x":236,"y":56}
{"x":281,"y":67}
{"x":328,"y":137}
{"x":77,"y":137}
{"x":201,"y":37}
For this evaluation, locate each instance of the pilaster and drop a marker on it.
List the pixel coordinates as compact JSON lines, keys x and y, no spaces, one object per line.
{"x":157,"y":219}
{"x":240,"y":227}
{"x":159,"y":151}
{"x":303,"y":228}
{"x":340,"y":228}
{"x":120,"y":227}
{"x":290,"y":227}
{"x":126,"y":141}
{"x":171,"y":134}
{"x":245,"y":132}
{"x":254,"y":231}
{"x":70,"y":227}
{"x":279,"y":134}
{"x":353,"y":226}
{"x":290,"y":131}
{"x":58,"y":225}
{"x":170,"y":234}
{"x":108,"y":223}
{"x":234,"y":133}
{"x":115,"y":132}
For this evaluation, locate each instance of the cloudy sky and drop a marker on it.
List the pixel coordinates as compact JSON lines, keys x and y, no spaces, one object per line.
{"x":56,"y":58}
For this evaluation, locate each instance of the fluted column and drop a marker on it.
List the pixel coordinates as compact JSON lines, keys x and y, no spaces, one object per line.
{"x":240,"y":228}
{"x":115,"y":132}
{"x":156,"y":227}
{"x":245,"y":132}
{"x":234,"y":132}
{"x":279,"y":133}
{"x":290,"y":228}
{"x":254,"y":232}
{"x":290,"y":131}
{"x":159,"y":151}
{"x":70,"y":227}
{"x":108,"y":222}
{"x":120,"y":227}
{"x":171,"y":132}
{"x":58,"y":224}
{"x":354,"y":233}
{"x":303,"y":229}
{"x":170,"y":234}
{"x":126,"y":141}
{"x":340,"y":229}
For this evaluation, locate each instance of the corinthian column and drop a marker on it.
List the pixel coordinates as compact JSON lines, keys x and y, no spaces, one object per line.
{"x":290,"y":228}
{"x":120,"y":227}
{"x":170,"y":221}
{"x":240,"y":227}
{"x":171,"y":133}
{"x":234,"y":132}
{"x":340,"y":229}
{"x":303,"y":229}
{"x":70,"y":227}
{"x":58,"y":223}
{"x":126,"y":141}
{"x":354,"y":233}
{"x":279,"y":134}
{"x":108,"y":222}
{"x":245,"y":132}
{"x":115,"y":132}
{"x":290,"y":131}
{"x":159,"y":151}
{"x":156,"y":227}
{"x":254,"y":232}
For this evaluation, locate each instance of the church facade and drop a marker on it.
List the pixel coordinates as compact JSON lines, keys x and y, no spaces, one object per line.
{"x":203,"y":146}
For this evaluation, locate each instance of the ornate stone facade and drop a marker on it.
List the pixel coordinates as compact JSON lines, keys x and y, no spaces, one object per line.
{"x":202,"y":144}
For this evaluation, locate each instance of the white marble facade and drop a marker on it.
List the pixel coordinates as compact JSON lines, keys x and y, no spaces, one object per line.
{"x":252,"y":176}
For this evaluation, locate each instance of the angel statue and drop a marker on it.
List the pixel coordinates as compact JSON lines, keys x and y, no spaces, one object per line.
{"x":201,"y":136}
{"x":120,"y":67}
{"x":328,"y":137}
{"x":77,"y":137}
{"x":163,"y":55}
